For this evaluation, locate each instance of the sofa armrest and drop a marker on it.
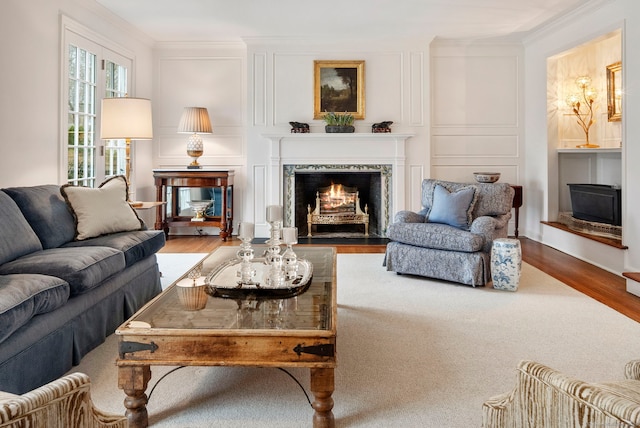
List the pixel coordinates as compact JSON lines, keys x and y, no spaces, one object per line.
{"x":490,"y":227}
{"x":63,"y":402}
{"x":545,"y":397}
{"x":632,"y":370}
{"x":408,"y":217}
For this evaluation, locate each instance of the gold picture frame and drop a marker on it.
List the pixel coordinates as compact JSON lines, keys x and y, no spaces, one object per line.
{"x":614,"y":92}
{"x":338,"y":87}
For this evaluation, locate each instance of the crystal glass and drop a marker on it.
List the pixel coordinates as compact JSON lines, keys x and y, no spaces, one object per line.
{"x":289,"y":257}
{"x":246,"y":273}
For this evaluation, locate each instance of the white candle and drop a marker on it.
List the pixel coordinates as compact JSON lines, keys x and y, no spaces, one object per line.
{"x":290,"y":235}
{"x":186,"y":282}
{"x":247,"y":231}
{"x":274,"y":213}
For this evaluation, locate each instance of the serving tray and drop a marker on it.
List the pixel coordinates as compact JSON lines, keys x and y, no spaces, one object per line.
{"x":223,"y":282}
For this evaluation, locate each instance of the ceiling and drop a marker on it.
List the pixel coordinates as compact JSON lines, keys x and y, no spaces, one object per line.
{"x":219,"y":20}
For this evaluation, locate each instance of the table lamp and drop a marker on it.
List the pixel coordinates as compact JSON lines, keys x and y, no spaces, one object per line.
{"x":195,"y":120}
{"x":129,"y":119}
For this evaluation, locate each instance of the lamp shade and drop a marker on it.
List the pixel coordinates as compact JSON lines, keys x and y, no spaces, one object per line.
{"x":126,"y":118}
{"x":195,"y":119}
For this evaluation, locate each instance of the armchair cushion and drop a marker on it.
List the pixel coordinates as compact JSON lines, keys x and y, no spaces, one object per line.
{"x":406,"y":216}
{"x":436,"y":236}
{"x":492,"y":198}
{"x":453,"y":208}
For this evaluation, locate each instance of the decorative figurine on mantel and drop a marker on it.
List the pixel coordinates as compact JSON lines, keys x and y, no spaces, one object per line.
{"x":299,"y":128}
{"x":585,"y":119}
{"x":381,"y":127}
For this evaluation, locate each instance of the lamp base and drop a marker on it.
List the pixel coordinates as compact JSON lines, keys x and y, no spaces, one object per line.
{"x":194,"y":166}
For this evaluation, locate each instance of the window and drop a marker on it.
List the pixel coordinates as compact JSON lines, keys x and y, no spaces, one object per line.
{"x":115,"y":150}
{"x":92,"y":72}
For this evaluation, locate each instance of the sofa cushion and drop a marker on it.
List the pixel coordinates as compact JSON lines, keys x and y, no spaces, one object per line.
{"x":436,"y":236}
{"x":82,"y":267}
{"x":452,"y":208}
{"x":17,"y":238}
{"x":103,"y":210}
{"x":136,"y":245}
{"x":22,"y":296}
{"x":47,"y":213}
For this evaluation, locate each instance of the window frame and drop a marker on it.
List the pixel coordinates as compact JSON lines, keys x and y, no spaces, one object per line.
{"x":71,"y":32}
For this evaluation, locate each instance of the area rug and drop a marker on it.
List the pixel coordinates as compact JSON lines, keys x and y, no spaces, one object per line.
{"x":412,"y":352}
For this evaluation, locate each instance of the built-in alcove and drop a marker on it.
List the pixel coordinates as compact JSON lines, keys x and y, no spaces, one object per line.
{"x":570,"y":161}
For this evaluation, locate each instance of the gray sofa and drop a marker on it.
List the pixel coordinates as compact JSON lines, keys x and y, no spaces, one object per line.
{"x":450,"y":240}
{"x":61,"y":297}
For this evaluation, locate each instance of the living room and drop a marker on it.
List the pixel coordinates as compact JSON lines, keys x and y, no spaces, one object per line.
{"x":495,"y":119}
{"x":464,"y":105}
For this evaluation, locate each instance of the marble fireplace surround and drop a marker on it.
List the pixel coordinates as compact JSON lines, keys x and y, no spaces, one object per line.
{"x":384,"y":152}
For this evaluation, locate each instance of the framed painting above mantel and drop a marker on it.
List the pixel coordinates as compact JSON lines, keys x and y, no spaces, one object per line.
{"x":338,"y":87}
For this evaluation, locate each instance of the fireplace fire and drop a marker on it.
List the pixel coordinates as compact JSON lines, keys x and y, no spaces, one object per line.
{"x":337,"y":204}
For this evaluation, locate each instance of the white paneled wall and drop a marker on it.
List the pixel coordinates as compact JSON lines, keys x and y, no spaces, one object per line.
{"x":460,"y":103}
{"x":211,"y":75}
{"x":476,"y":110}
{"x":280,"y":84}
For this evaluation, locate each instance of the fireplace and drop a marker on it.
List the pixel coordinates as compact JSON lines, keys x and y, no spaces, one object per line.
{"x":303,"y":182}
{"x":292,"y":156}
{"x":598,"y":203}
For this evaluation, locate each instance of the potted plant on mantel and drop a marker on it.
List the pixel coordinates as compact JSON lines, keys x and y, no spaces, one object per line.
{"x":338,"y":122}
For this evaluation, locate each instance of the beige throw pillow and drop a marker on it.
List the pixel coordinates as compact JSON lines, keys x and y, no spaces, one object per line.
{"x":103,"y":210}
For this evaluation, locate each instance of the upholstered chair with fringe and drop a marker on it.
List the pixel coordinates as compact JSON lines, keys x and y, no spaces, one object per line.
{"x":544,"y":397}
{"x":62,"y":403}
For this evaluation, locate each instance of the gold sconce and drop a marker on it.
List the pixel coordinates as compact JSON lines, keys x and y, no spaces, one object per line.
{"x":585,"y":98}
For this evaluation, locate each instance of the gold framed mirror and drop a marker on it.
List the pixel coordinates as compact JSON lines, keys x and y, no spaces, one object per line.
{"x":614,"y":92}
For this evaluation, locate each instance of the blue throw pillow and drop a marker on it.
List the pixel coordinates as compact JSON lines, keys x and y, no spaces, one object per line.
{"x":454,"y":208}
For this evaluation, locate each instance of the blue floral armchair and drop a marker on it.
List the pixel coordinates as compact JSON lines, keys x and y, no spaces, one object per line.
{"x":451,"y":237}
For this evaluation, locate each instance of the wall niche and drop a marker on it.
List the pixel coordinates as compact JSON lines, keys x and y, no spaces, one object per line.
{"x":570,"y":161}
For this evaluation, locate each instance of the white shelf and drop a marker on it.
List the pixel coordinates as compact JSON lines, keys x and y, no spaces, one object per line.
{"x":340,"y":135}
{"x":597,"y":150}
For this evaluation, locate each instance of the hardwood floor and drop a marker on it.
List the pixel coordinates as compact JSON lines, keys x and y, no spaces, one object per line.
{"x":597,"y":283}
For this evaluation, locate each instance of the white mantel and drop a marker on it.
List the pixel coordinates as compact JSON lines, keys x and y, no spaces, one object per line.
{"x":337,"y":149}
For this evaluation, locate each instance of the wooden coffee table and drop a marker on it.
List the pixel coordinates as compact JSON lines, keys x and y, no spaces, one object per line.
{"x":294,"y":332}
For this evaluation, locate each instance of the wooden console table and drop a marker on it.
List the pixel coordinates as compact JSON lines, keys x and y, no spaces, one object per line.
{"x":168,"y":183}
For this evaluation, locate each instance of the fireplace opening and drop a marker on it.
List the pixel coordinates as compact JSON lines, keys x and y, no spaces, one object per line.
{"x":598,"y":203}
{"x":337,"y":205}
{"x":368,"y":188}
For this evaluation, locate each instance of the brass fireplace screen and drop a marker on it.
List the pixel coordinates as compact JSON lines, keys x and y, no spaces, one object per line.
{"x":337,"y":204}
